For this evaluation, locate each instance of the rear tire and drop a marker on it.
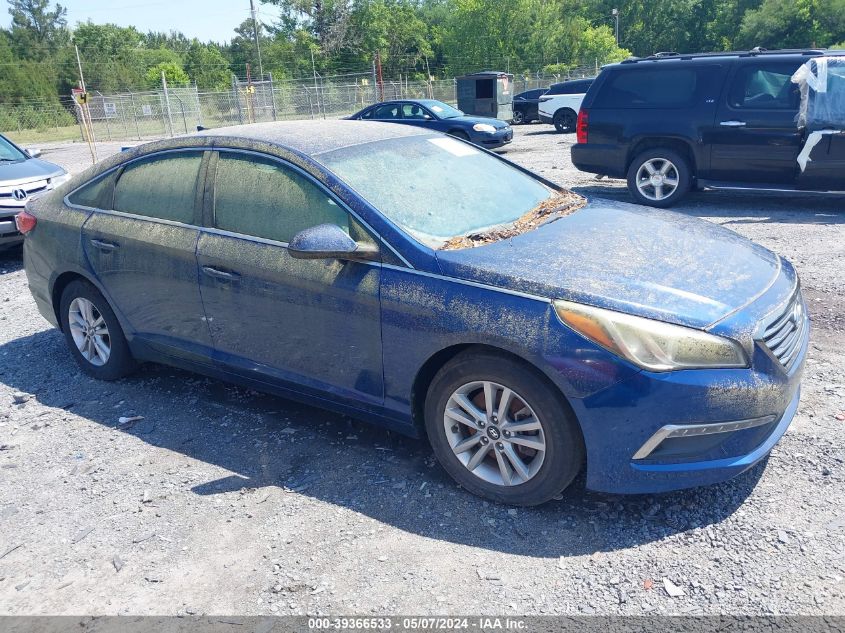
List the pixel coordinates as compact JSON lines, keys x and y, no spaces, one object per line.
{"x":93,"y":333}
{"x":565,"y":121}
{"x":659,"y":177}
{"x":523,"y":452}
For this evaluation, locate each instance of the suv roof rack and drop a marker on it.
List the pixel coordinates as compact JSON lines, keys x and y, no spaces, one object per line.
{"x":757,"y":50}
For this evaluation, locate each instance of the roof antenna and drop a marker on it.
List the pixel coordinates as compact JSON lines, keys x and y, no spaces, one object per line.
{"x":200,"y":128}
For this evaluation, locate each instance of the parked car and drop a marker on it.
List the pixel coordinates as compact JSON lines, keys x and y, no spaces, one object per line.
{"x":440,"y":117}
{"x":317,"y":260}
{"x":525,"y":106}
{"x":671,"y":123}
{"x":561,"y":103}
{"x":22,"y":176}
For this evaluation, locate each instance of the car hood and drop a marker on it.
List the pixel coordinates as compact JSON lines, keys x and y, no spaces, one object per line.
{"x":472,"y":120}
{"x":24,"y":171}
{"x":639,"y":260}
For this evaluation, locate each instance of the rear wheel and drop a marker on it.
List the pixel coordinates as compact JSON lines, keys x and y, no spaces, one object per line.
{"x":501,"y":431}
{"x":93,"y":334}
{"x":659,"y":177}
{"x":565,"y":121}
{"x":518,"y":117}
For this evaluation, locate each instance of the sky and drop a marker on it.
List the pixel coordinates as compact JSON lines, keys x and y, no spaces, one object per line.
{"x":203,"y":19}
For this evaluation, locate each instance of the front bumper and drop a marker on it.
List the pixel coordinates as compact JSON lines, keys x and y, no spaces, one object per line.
{"x":9,"y":234}
{"x":492,"y":141}
{"x":657,"y":432}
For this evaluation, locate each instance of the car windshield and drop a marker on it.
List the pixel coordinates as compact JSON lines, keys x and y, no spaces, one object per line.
{"x":9,"y":152}
{"x":443,"y":110}
{"x":436,"y":187}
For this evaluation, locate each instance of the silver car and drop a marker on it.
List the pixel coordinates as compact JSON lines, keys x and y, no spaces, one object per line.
{"x":22,"y":176}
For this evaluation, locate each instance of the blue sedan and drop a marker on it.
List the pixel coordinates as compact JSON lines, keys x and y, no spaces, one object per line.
{"x":417,"y":282}
{"x":440,"y":117}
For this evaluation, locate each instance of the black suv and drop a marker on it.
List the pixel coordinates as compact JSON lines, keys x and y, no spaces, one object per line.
{"x":671,"y":122}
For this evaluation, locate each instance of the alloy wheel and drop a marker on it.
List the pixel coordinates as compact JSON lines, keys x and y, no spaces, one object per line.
{"x":89,"y":331}
{"x":657,"y":179}
{"x":494,"y":433}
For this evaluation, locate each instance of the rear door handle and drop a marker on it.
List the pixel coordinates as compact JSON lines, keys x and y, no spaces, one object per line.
{"x":220,"y":274}
{"x":104,"y":246}
{"x":732,"y":123}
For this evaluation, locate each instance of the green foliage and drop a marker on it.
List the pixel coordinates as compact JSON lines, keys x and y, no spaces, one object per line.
{"x":207,"y":67}
{"x":173,"y":73}
{"x":794,"y":24}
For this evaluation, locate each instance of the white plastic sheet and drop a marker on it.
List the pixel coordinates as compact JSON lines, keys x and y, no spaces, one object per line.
{"x":822,"y":84}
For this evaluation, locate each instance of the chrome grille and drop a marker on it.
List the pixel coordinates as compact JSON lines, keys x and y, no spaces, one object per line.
{"x":784,"y":335}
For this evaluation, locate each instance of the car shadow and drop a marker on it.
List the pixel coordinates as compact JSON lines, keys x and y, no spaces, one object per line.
{"x":549,"y":130}
{"x":729,"y":208}
{"x":269,"y":443}
{"x":11,"y":260}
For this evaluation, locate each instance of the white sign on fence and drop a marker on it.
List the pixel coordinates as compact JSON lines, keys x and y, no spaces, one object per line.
{"x":147,"y":109}
{"x":109,"y":108}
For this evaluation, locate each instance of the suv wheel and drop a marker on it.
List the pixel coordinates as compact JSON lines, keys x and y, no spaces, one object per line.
{"x":659,"y":177}
{"x":500,"y":431}
{"x":518,"y":117}
{"x":93,"y":333}
{"x":565,"y":121}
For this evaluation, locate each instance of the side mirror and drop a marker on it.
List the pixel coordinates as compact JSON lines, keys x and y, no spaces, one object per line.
{"x":329,"y":241}
{"x":33,"y":152}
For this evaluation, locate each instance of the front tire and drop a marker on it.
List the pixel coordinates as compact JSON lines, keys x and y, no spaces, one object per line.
{"x":518,"y":117}
{"x":93,"y":333}
{"x":565,"y":121}
{"x":459,"y":134}
{"x":501,"y":431}
{"x":659,"y":177}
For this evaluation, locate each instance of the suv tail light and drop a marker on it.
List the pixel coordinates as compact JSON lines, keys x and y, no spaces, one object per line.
{"x":581,"y":127}
{"x":25,"y":222}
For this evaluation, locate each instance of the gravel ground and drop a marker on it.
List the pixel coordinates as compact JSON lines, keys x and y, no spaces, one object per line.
{"x":225,"y":501}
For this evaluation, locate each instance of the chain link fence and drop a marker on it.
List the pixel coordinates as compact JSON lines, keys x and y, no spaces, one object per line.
{"x":155,"y":114}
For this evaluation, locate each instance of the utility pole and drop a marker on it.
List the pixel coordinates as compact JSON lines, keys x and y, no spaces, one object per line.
{"x":615,"y":14}
{"x":83,"y":109}
{"x":257,"y":43}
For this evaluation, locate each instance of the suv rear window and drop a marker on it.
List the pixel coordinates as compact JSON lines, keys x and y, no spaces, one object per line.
{"x":570,"y":87}
{"x":654,"y":87}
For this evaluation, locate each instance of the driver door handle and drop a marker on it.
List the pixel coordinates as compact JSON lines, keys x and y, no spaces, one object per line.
{"x":732,"y":123}
{"x":103,"y":245}
{"x":220,"y":274}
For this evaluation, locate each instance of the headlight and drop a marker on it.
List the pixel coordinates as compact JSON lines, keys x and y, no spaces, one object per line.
{"x":55,"y":181}
{"x":484,"y":127}
{"x":650,"y":344}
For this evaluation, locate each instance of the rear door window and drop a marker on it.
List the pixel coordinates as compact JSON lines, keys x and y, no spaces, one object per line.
{"x":263,"y":198}
{"x":660,"y":88}
{"x":97,"y":194}
{"x":764,"y":87}
{"x":162,"y":187}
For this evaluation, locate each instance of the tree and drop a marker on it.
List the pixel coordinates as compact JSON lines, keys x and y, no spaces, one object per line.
{"x":794,"y":24}
{"x":327,"y":20}
{"x":392,"y":27}
{"x":37,"y":30}
{"x":173,"y":73}
{"x":207,"y":67}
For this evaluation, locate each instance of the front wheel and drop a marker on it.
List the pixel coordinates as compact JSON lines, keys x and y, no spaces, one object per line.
{"x":93,"y":333}
{"x":518,"y":117}
{"x":501,"y":431}
{"x":459,"y":134}
{"x":565,"y":121}
{"x":659,"y":177}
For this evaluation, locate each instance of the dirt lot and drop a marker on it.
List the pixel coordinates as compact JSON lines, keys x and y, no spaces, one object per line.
{"x":225,"y":501}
